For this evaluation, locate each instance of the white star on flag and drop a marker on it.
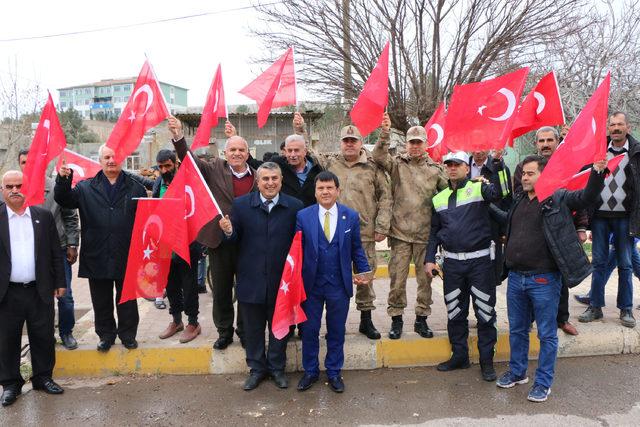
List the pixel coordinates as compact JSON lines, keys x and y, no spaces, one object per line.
{"x":132,"y":117}
{"x":147,"y":252}
{"x":285,"y":287}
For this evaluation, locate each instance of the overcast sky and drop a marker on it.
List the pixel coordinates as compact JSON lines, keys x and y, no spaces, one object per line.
{"x":184,"y":52}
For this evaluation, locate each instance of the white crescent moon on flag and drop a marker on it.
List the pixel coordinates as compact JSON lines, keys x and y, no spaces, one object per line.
{"x":76,"y":168}
{"x":439,"y":133}
{"x":291,"y":261}
{"x":47,"y":125}
{"x":541,"y":102}
{"x":147,"y":89}
{"x":153,"y":219}
{"x":511,"y":105}
{"x":192,"y":202}
{"x":593,"y":125}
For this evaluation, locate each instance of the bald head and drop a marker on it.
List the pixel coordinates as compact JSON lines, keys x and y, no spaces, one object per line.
{"x":12,"y":190}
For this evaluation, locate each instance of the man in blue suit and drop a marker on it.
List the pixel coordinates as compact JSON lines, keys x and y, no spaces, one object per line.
{"x":330,"y":242}
{"x":262,"y":224}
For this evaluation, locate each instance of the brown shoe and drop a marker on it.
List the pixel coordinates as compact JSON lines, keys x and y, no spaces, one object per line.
{"x":568,"y":328}
{"x":171,"y":330}
{"x":190,"y":333}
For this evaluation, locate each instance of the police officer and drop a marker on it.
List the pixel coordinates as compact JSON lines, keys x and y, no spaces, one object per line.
{"x":460,"y":223}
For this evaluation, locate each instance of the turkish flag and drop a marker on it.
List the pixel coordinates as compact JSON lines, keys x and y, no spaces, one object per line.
{"x":83,"y":167}
{"x":481,"y":115}
{"x":48,"y":142}
{"x":368,"y":109}
{"x":585,"y":143}
{"x":274,"y":88}
{"x":197,"y":209}
{"x":291,"y":292}
{"x":145,"y":109}
{"x":149,"y":259}
{"x":541,"y":107}
{"x":435,"y":134}
{"x":214,"y":108}
{"x":579,"y":180}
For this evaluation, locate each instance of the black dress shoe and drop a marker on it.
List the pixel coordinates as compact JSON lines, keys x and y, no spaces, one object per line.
{"x":306,"y":382}
{"x":336,"y":384}
{"x":252,"y":381}
{"x":583,"y":299}
{"x":69,"y":342}
{"x":47,"y":385}
{"x":130,"y":344}
{"x":104,"y":346}
{"x":488,"y":372}
{"x":453,"y":364}
{"x":421,"y":327}
{"x":222,"y":343}
{"x":280,"y":379}
{"x":10,"y":395}
{"x":396,"y":327}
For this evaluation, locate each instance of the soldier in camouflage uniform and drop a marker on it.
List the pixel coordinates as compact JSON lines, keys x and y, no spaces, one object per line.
{"x":415,"y":179}
{"x":365,"y":188}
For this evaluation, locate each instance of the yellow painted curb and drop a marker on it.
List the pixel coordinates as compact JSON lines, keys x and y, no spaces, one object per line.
{"x":168,"y":360}
{"x":382,"y":272}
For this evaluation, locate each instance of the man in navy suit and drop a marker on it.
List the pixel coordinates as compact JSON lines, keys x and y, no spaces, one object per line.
{"x":331,"y":242}
{"x":262,"y":224}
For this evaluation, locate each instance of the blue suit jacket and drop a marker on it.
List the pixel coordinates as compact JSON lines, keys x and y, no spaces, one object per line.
{"x":350,"y":246}
{"x":263,"y":239}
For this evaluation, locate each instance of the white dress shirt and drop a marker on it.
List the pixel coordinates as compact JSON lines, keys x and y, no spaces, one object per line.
{"x":241,"y":175}
{"x":476,"y":170}
{"x":333,"y":219}
{"x":23,"y":257}
{"x":274,"y":201}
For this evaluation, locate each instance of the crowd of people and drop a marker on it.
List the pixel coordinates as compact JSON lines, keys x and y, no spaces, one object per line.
{"x":466,"y":212}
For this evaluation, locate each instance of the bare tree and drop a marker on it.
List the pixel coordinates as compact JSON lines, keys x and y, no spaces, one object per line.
{"x":434,"y":44}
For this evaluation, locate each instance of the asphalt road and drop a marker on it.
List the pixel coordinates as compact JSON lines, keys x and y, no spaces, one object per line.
{"x":587,"y":391}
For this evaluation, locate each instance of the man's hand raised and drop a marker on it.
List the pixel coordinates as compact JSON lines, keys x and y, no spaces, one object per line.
{"x":175,"y":127}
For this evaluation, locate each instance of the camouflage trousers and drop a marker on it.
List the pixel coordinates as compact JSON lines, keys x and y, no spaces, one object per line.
{"x":402,"y":253}
{"x":365,"y":295}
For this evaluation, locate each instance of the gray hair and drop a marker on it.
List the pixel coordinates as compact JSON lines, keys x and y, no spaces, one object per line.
{"x":271,"y":166}
{"x":10,"y":172}
{"x":548,"y":129}
{"x":239,"y":138}
{"x":294,"y":137}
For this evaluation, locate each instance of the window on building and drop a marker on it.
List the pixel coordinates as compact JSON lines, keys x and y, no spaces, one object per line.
{"x":127,"y":88}
{"x":117,"y":88}
{"x":63,"y":104}
{"x":133,"y":162}
{"x":87,"y":91}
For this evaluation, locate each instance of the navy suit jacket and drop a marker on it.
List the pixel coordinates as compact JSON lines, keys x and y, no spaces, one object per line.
{"x":263,"y":239}
{"x":350,"y":246}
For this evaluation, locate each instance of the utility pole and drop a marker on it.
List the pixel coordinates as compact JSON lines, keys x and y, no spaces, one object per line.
{"x":346,"y":46}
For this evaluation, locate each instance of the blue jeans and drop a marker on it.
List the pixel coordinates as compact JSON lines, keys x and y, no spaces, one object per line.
{"x":601,"y":228}
{"x":202,"y":270}
{"x":66,"y":315}
{"x":539,"y":295}
{"x":613,"y":261}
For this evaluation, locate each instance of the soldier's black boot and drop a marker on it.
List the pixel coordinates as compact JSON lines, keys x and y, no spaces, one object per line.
{"x":366,"y":326}
{"x":421,"y":327}
{"x":396,"y":327}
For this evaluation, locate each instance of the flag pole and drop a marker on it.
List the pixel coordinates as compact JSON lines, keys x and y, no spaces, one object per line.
{"x":155,"y":77}
{"x":295,"y":76}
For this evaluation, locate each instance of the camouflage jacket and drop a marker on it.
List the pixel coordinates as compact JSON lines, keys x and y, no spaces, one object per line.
{"x":365,"y":188}
{"x":414,"y":181}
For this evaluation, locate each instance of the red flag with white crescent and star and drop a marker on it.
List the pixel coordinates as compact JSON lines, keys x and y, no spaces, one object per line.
{"x":83,"y":167}
{"x":149,"y":259}
{"x":145,"y":109}
{"x":585,"y":143}
{"x":541,"y":107}
{"x":214,"y":108}
{"x":275,"y":87}
{"x":291,"y":294}
{"x":435,"y":134}
{"x":48,"y":142}
{"x":481,"y":115}
{"x":199,"y":208}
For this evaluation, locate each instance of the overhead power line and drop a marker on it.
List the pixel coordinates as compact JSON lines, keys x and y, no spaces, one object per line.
{"x":138,"y":24}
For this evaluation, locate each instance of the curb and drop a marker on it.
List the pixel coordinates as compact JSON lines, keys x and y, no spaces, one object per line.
{"x":360,"y":353}
{"x":382,"y":272}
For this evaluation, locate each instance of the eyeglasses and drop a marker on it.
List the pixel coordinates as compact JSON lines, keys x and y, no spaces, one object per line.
{"x":11,"y":187}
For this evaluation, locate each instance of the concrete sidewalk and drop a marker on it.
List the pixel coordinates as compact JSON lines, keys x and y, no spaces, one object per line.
{"x":157,"y":356}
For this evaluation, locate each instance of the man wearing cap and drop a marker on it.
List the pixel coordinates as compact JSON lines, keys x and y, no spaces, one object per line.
{"x":364,"y":187}
{"x":460,"y":224}
{"x":415,"y":179}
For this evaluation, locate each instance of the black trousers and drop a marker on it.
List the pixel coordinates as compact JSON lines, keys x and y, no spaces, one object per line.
{"x":22,"y":305}
{"x":255,"y":318}
{"x":470,"y":278}
{"x":182,"y":286}
{"x":563,"y":306}
{"x":223,"y":270}
{"x":105,"y":323}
